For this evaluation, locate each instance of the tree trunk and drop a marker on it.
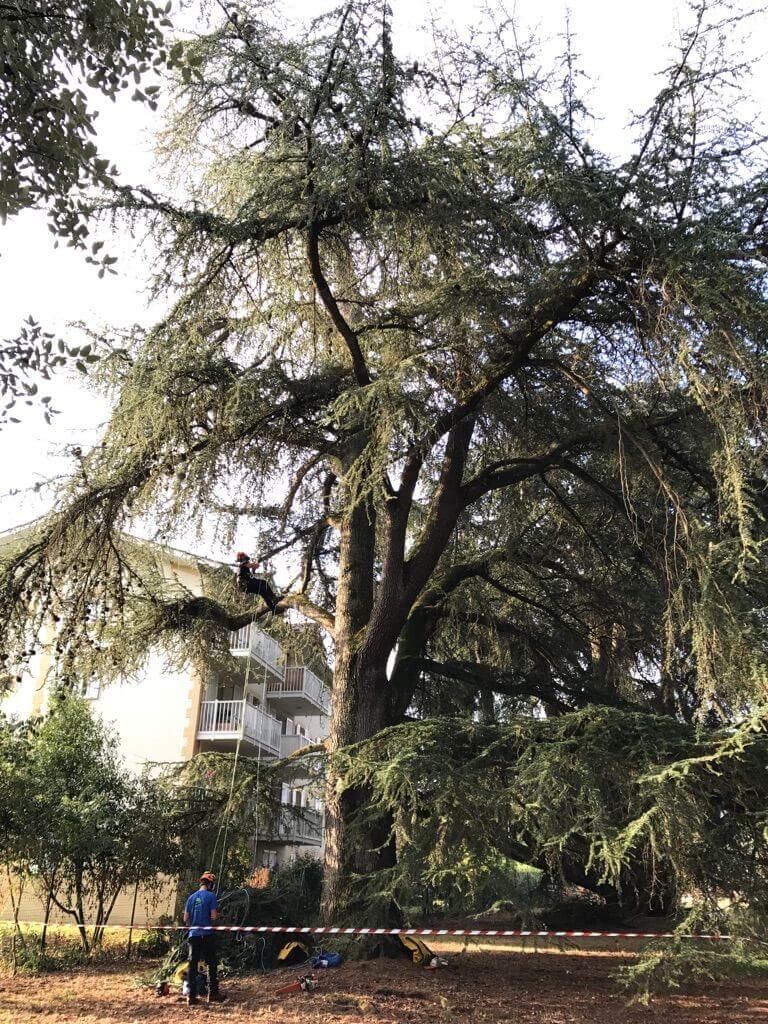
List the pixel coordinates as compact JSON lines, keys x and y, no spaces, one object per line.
{"x":17,"y":933}
{"x":360,"y":710}
{"x":361,"y":707}
{"x":366,"y":630}
{"x":80,"y":908}
{"x":46,"y":919}
{"x":133,"y":918}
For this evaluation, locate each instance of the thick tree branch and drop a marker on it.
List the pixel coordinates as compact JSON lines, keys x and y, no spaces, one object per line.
{"x":539,"y":320}
{"x":447,"y":504}
{"x":565,"y":505}
{"x":298,"y":479}
{"x":556,"y":616}
{"x":312,"y":611}
{"x":318,"y":532}
{"x":485,"y":677}
{"x":332,"y":307}
{"x":182,"y":613}
{"x":516,"y":470}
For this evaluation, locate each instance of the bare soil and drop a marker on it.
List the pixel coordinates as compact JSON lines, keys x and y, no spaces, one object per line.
{"x":552,"y":987}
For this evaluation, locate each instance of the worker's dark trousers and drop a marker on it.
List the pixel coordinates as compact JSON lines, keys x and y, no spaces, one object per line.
{"x":263,"y":589}
{"x":203,"y":947}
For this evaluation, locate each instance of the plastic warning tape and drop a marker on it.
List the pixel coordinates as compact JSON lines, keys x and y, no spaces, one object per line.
{"x":498,"y":933}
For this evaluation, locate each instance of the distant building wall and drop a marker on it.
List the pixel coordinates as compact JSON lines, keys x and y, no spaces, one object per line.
{"x":286,"y":854}
{"x":151,"y":905}
{"x":19,"y":702}
{"x":151,"y":713}
{"x":155,"y":717}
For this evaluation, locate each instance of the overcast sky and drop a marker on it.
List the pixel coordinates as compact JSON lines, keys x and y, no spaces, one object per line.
{"x":622,"y":46}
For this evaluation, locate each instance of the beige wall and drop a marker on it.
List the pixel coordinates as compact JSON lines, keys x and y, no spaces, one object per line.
{"x":154,"y":713}
{"x":285,"y":854}
{"x":151,"y":713}
{"x":151,"y":905}
{"x":27,"y":699}
{"x":20,"y":701}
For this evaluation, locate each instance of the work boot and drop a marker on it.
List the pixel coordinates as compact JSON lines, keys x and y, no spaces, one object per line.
{"x":216,"y":997}
{"x":192,"y":1000}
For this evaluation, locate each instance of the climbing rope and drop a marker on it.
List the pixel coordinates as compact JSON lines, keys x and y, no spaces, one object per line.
{"x":228,"y":807}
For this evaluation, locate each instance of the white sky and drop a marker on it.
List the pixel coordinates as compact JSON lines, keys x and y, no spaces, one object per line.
{"x":622,"y":45}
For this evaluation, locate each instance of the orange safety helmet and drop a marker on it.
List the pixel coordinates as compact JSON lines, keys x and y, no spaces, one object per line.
{"x":208,"y":876}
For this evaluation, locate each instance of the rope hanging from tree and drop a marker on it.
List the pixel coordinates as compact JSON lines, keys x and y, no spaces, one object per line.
{"x":228,"y":806}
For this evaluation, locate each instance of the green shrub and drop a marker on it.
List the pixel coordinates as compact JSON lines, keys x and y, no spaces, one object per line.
{"x":296,"y":888}
{"x":156,"y":942}
{"x":666,"y":966}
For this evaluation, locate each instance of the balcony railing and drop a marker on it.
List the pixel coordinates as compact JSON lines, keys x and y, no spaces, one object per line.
{"x":263,"y":648}
{"x":302,"y":685}
{"x":296,"y":825}
{"x":289,"y":744}
{"x":224,"y":719}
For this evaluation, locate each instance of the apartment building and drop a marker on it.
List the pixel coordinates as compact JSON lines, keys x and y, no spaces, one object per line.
{"x":272,"y":708}
{"x":264,"y":702}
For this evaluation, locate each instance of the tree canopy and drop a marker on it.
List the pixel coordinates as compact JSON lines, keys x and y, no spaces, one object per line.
{"x":51,"y":53}
{"x":500,"y":395}
{"x":56,"y":57}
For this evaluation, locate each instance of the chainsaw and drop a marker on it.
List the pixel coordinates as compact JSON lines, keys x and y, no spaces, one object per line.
{"x":306,"y":984}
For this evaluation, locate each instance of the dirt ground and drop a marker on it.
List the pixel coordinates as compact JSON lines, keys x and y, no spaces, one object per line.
{"x":521,"y":987}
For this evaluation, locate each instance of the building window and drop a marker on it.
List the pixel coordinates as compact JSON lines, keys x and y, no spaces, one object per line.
{"x":91,"y":689}
{"x":268,"y":858}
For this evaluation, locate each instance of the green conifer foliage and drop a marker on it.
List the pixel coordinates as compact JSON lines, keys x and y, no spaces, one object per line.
{"x":501,"y":395}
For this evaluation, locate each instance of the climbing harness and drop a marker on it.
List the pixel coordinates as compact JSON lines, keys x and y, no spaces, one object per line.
{"x":248,"y":583}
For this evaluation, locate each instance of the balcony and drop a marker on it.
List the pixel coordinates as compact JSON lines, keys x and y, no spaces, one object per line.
{"x":291,"y":743}
{"x":300,"y":692}
{"x":223,"y":721}
{"x":296,"y":825}
{"x":263,"y":649}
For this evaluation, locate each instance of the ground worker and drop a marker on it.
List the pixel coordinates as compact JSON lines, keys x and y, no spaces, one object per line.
{"x":200,"y":911}
{"x":249,"y":583}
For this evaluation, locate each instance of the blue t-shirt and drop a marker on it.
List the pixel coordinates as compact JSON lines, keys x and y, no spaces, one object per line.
{"x":199,"y":907}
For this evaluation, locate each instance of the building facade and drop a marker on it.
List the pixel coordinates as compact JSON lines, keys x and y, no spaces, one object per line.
{"x":265,"y":704}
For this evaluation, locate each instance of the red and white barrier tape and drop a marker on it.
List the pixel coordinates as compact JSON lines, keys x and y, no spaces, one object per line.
{"x":497,"y":933}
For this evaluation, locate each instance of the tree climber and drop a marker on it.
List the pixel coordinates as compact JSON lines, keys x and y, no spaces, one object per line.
{"x":252,"y":584}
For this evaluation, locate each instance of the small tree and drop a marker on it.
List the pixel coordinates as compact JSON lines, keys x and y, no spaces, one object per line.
{"x":96,"y":828}
{"x":15,"y":824}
